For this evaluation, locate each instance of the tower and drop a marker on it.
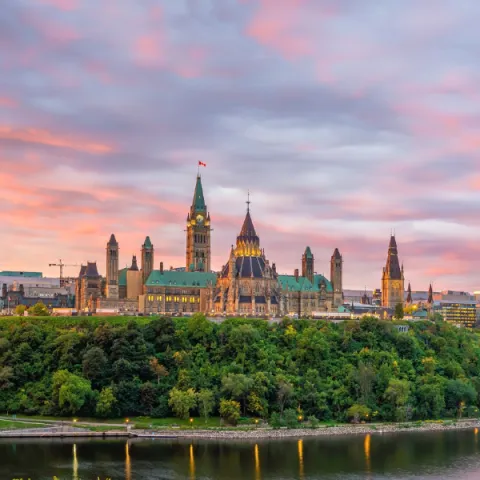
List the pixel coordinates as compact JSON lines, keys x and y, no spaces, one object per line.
{"x":393,"y":283}
{"x":147,"y":259}
{"x":198,"y":233}
{"x":409,"y":294}
{"x":308,"y":264}
{"x":112,"y":268}
{"x":336,"y":267}
{"x":430,"y":295}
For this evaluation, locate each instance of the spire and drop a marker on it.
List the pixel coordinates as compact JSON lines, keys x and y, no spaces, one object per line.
{"x":430,"y":294}
{"x":248,"y":230}
{"x":308,"y":253}
{"x":409,"y":293}
{"x":392,"y":268}
{"x":113,"y":240}
{"x":147,"y":243}
{"x":198,"y":203}
{"x":134,"y":264}
{"x":336,"y":254}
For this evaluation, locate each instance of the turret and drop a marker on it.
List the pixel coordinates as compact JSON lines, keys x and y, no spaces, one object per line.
{"x":336,"y":277}
{"x":308,"y":264}
{"x":112,"y":289}
{"x":147,"y":259}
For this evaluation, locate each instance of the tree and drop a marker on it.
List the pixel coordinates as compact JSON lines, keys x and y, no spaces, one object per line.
{"x":106,"y":402}
{"x":94,"y":363}
{"x":358,"y":412}
{"x":290,"y":417}
{"x":182,"y":401}
{"x":158,"y":369}
{"x":237,"y":385}
{"x":397,"y":393}
{"x":399,"y":314}
{"x":206,"y":402}
{"x":284,"y":392}
{"x":230,"y":411}
{"x":70,"y":391}
{"x":20,"y":310}
{"x":39,"y":310}
{"x":458,"y":394}
{"x":366,"y":377}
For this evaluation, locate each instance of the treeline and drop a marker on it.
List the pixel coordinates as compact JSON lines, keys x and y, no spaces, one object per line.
{"x":159,"y":367}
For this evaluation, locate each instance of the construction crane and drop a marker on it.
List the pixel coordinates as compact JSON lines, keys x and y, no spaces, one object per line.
{"x":61,"y":265}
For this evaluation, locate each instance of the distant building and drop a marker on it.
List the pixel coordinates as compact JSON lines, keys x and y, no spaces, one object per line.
{"x":458,"y":312}
{"x":393,"y":282}
{"x":88,"y":288}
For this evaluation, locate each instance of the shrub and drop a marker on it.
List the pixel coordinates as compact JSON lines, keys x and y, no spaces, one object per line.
{"x":230,"y":411}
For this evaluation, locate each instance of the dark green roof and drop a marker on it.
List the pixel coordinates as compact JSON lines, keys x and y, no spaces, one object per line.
{"x":303,"y":284}
{"x":21,"y":274}
{"x":180,"y":279}
{"x":198,"y":200}
{"x":308,"y":253}
{"x":122,"y":277}
{"x":148,"y":243}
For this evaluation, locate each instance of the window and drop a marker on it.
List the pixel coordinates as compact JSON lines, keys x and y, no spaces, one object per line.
{"x":150,"y":298}
{"x":159,"y":298}
{"x":176,"y":299}
{"x":198,"y":300}
{"x":168,"y":298}
{"x":184,"y":299}
{"x":192,"y":299}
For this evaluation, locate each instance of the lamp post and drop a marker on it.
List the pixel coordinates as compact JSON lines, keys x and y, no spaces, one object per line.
{"x":191,"y":422}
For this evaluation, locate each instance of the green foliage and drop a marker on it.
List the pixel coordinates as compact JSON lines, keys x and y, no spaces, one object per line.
{"x":20,"y":310}
{"x":38,"y":310}
{"x":147,"y":366}
{"x":230,"y":411}
{"x":106,"y":403}
{"x":206,"y":402}
{"x":313,"y":421}
{"x":182,"y":401}
{"x":399,"y":313}
{"x":291,"y":418}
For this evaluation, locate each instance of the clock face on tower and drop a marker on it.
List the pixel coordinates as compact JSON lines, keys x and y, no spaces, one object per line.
{"x":199,"y":219}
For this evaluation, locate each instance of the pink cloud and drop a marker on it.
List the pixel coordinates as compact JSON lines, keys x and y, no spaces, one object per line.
{"x":8,"y":102}
{"x":61,"y":4}
{"x":44,"y":137}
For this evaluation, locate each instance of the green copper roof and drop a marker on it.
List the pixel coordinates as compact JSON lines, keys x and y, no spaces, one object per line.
{"x":122,"y":277}
{"x":180,"y":279}
{"x":148,"y":243}
{"x":303,"y":284}
{"x":198,"y":200}
{"x":21,"y":274}
{"x":308,"y":253}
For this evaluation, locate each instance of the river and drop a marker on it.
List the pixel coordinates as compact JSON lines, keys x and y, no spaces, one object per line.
{"x":411,"y":455}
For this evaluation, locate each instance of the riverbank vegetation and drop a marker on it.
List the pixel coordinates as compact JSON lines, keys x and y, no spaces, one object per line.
{"x":287,"y":372}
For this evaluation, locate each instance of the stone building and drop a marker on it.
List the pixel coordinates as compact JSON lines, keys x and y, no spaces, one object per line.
{"x":247,"y":284}
{"x":393,"y":282}
{"x":87,"y":288}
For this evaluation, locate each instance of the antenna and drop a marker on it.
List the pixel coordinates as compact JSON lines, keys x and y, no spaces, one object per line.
{"x":248,"y":202}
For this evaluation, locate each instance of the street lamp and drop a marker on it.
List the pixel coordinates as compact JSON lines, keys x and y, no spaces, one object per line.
{"x":300,"y":418}
{"x":191,"y":422}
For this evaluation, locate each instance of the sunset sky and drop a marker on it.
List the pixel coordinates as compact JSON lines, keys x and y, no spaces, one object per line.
{"x":346,"y":119}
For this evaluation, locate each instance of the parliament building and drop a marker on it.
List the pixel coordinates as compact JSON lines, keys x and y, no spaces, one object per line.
{"x":247,"y":284}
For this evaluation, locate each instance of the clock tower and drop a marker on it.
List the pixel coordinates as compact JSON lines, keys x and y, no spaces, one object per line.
{"x":198,"y":233}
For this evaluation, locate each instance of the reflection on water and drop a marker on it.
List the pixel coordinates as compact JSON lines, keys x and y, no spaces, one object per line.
{"x":257,"y":462}
{"x":75,"y":462}
{"x":366,"y":449}
{"x":410,"y":455}
{"x":128,"y":463}
{"x":301,"y":472}
{"x":192,"y":463}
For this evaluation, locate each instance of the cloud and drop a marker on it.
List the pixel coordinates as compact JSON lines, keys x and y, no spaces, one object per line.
{"x":344,"y":119}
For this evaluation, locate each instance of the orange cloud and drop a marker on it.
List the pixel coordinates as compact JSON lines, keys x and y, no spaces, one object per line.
{"x":44,"y":137}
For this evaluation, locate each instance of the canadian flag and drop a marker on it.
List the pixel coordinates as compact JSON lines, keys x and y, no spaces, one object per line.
{"x":201,"y":164}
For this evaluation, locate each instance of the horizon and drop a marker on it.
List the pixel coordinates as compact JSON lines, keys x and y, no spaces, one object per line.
{"x":345,"y":123}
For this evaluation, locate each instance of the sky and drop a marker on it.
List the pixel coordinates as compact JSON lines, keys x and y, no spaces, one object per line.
{"x":346,"y":120}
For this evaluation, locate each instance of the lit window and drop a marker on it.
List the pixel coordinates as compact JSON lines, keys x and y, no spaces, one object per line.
{"x":159,"y":298}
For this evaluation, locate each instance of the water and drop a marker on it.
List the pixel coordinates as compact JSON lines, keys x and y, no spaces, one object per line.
{"x":412,"y":455}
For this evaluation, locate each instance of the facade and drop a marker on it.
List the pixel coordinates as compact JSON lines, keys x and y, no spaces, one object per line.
{"x":459,"y":312}
{"x":393,"y":282}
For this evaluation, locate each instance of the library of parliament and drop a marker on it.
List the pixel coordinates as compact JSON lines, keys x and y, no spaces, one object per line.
{"x":247,"y":284}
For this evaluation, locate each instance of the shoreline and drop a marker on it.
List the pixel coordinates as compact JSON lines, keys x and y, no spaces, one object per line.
{"x":257,"y":433}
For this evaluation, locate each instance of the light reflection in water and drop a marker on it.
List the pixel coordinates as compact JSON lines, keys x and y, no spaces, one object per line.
{"x":366,"y":449}
{"x":257,"y":462}
{"x":301,"y":471}
{"x":475,"y":431}
{"x":128,"y":464}
{"x":75,"y":463}
{"x":192,"y":463}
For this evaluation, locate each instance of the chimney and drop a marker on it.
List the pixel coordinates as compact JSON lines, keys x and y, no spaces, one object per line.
{"x":161,"y":268}
{"x":296,"y":274}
